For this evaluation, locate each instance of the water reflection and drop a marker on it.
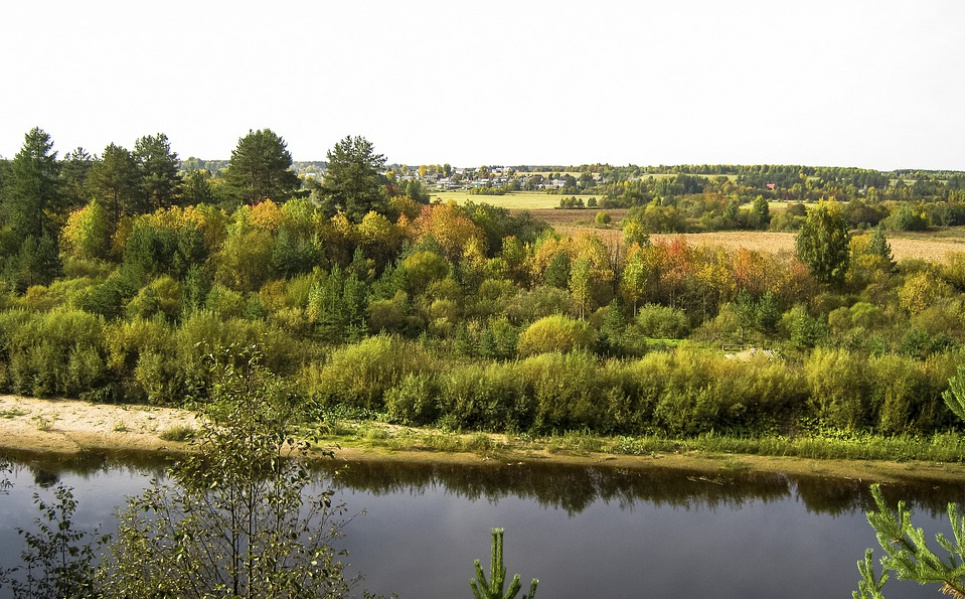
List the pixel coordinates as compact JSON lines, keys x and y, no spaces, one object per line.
{"x":575,"y":488}
{"x":584,"y":531}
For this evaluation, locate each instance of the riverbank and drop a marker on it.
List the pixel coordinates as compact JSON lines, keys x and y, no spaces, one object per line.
{"x":70,"y":427}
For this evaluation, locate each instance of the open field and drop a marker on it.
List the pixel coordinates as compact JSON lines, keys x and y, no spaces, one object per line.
{"x":933,"y":246}
{"x":520,"y":200}
{"x":903,"y":248}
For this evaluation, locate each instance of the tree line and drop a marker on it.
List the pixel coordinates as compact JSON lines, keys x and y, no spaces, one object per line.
{"x":357,"y":263}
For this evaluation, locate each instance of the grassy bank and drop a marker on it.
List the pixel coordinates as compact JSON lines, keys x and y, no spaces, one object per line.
{"x":71,"y":427}
{"x":857,"y":455}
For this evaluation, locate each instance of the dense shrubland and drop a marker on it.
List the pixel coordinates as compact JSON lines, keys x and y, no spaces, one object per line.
{"x":468,"y":316}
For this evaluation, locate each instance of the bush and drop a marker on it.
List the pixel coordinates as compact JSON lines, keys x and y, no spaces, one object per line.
{"x":566,"y":389}
{"x":361,"y":374}
{"x":496,"y":396}
{"x":663,"y":322}
{"x":414,"y":400}
{"x":556,"y":334}
{"x":838,"y":386}
{"x":57,"y":353}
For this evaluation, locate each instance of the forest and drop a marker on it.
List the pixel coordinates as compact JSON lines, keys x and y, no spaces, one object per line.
{"x":121,"y":273}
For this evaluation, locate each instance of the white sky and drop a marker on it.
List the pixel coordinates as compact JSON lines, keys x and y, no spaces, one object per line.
{"x":878,"y":84}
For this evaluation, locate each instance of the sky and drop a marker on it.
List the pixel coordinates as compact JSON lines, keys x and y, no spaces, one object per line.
{"x":823,"y":83}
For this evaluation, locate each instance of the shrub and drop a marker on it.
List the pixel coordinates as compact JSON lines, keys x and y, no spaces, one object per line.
{"x":556,"y":333}
{"x":496,"y":396}
{"x":360,"y":374}
{"x":566,"y":389}
{"x":838,"y":386}
{"x":663,"y":322}
{"x":415,"y":399}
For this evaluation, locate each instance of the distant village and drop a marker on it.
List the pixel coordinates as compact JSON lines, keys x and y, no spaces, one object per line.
{"x":449,"y":178}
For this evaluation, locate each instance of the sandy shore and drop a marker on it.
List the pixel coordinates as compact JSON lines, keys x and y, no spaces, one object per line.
{"x":71,"y":426}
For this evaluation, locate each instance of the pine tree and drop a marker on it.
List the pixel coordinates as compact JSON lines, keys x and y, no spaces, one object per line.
{"x":31,"y":200}
{"x":113,"y":181}
{"x":907,"y":554}
{"x":260,"y":168}
{"x":493,"y":589}
{"x":879,"y":246}
{"x":158,"y":181}
{"x":354,"y":180}
{"x":557,"y":273}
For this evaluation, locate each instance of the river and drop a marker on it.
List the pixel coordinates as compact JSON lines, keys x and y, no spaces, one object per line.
{"x":583,"y":531}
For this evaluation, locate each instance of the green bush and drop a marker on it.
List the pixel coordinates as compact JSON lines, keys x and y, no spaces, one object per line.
{"x":566,"y":388}
{"x":839,"y":388}
{"x":556,"y":333}
{"x":495,"y":396}
{"x":55,"y":353}
{"x":360,"y":374}
{"x":663,"y":322}
{"x":415,"y":399}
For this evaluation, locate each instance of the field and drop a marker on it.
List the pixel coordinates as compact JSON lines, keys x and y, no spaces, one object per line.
{"x":933,"y":246}
{"x":520,"y":200}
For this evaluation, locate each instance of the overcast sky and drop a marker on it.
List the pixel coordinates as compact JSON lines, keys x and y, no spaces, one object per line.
{"x":875,"y":84}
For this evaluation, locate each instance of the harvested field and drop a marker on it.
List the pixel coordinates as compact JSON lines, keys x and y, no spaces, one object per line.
{"x":932,"y":246}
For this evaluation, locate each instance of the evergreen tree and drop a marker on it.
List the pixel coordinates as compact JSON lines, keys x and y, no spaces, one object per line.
{"x":157,"y":172}
{"x":557,"y":273}
{"x":32,"y":204}
{"x":260,"y":168}
{"x":354,"y":182}
{"x":73,"y":178}
{"x":113,"y":181}
{"x":196,"y":188}
{"x":493,"y":588}
{"x":879,"y":246}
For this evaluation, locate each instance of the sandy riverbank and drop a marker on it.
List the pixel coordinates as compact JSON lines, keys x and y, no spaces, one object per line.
{"x":71,"y":426}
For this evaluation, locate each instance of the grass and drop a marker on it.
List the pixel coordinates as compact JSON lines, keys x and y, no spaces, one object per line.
{"x":519,"y":200}
{"x":44,"y":423}
{"x":819,"y":445}
{"x":943,"y":447}
{"x":12,"y":413}
{"x":180,"y":433}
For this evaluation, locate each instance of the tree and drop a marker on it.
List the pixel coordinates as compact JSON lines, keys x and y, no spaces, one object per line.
{"x":260,"y":168}
{"x":761,"y":211}
{"x":73,"y":178}
{"x":907,"y":554}
{"x":113,"y":181}
{"x":157,"y":172}
{"x":824,"y":243}
{"x":879,"y":246}
{"x":31,"y":198}
{"x":497,"y":576}
{"x":58,"y":560}
{"x":238,"y":524}
{"x":87,"y":233}
{"x":196,"y":188}
{"x":354,"y":181}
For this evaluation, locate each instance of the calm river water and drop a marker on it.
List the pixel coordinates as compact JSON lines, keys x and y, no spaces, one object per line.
{"x":584,"y":532}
